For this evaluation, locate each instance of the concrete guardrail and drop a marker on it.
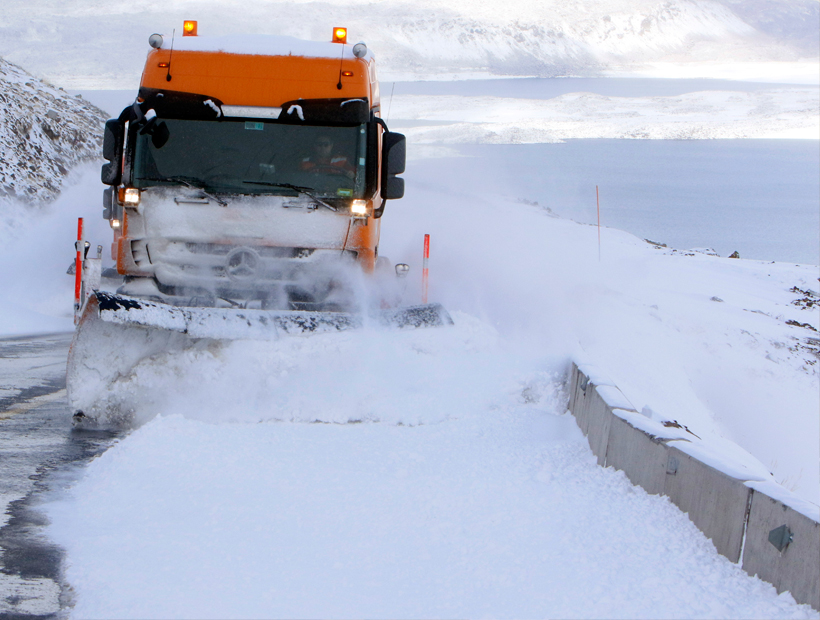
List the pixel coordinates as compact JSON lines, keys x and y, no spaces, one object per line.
{"x":757,"y":523}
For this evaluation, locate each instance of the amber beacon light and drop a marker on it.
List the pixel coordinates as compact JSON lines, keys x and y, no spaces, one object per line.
{"x":189,"y":28}
{"x":339,"y":35}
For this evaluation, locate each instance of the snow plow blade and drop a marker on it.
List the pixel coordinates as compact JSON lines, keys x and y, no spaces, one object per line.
{"x":116,"y":332}
{"x":236,"y":324}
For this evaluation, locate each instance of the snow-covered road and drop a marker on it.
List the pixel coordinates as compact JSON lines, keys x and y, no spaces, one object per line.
{"x":499,"y":513}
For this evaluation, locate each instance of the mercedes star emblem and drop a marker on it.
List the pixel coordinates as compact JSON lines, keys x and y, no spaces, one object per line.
{"x":242,"y":264}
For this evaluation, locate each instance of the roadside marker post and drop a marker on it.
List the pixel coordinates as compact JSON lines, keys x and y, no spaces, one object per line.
{"x":78,"y":270}
{"x":424,"y":269}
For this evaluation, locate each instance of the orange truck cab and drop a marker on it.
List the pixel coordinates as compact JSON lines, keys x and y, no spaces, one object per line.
{"x":250,"y":171}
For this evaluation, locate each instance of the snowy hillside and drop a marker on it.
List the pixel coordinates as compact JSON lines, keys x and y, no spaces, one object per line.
{"x":101,"y":44}
{"x":44,"y":132}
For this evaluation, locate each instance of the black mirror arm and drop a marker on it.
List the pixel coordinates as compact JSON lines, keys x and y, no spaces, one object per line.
{"x":139,"y":116}
{"x":148,"y":127}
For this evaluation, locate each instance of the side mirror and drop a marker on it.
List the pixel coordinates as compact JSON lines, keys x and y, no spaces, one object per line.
{"x":394,"y":152}
{"x":111,"y":173}
{"x":394,"y":155}
{"x":112,"y":139}
{"x":112,"y":151}
{"x":108,"y":203}
{"x":393,"y":189}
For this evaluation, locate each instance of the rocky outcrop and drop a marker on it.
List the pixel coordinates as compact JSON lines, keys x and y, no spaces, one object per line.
{"x":44,"y":132}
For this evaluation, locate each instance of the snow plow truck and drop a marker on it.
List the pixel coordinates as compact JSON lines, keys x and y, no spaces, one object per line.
{"x":246,"y":186}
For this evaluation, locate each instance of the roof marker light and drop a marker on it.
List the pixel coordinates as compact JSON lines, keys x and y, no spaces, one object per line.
{"x":189,"y":28}
{"x":347,"y":73}
{"x":339,"y":35}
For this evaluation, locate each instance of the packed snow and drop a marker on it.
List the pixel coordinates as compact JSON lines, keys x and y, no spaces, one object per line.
{"x":497,"y":511}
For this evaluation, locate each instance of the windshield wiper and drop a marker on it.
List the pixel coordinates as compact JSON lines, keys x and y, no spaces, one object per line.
{"x":307,"y":191}
{"x":191,"y":182}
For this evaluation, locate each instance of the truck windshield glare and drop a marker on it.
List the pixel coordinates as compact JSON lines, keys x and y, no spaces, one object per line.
{"x":254,"y":157}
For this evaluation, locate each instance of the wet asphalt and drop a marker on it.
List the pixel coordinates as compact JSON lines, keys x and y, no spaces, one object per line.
{"x":40,"y":456}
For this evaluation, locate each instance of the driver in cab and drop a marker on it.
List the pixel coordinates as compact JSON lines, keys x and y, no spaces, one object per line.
{"x":325,"y":161}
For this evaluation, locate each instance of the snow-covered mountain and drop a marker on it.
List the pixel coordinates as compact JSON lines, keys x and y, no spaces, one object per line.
{"x":102,"y":43}
{"x":44,"y":132}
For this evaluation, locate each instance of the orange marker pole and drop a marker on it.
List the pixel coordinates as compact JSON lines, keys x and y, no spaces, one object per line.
{"x":598,"y":203}
{"x":78,"y":270}
{"x":424,"y":270}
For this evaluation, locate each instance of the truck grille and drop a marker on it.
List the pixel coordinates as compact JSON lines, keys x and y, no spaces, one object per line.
{"x":221,"y":249}
{"x":231,"y":266}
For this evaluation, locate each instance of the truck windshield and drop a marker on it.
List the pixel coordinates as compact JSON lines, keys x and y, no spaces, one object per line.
{"x":253,"y":157}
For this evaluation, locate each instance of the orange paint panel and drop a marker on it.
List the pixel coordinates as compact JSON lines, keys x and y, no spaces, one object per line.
{"x":121,"y":268}
{"x":125,"y":259}
{"x":363,"y":239}
{"x":268,"y":81}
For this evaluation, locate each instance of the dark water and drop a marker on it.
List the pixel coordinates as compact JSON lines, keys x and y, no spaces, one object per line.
{"x":759,"y":197}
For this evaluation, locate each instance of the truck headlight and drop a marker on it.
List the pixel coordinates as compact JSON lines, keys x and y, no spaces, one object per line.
{"x":358,"y":208}
{"x":131,"y":197}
